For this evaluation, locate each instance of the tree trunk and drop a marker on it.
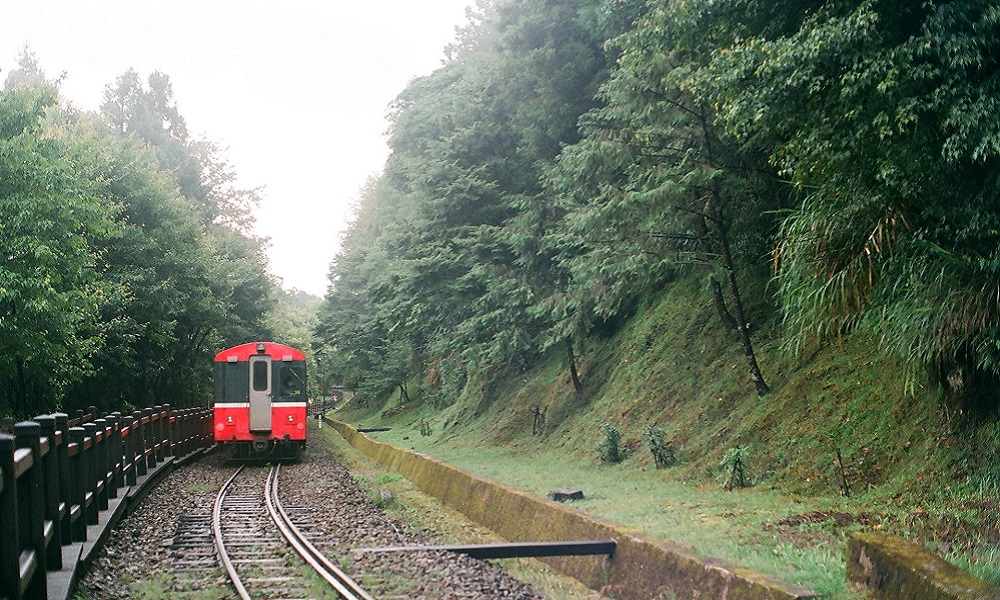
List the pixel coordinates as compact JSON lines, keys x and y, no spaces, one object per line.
{"x":720,"y":306}
{"x":403,"y":396}
{"x":706,"y":246}
{"x":714,"y":209}
{"x":571,"y":356}
{"x":741,"y":321}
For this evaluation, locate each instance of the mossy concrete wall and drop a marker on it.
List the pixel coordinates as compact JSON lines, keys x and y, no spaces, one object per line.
{"x":893,"y":567}
{"x":641,"y":568}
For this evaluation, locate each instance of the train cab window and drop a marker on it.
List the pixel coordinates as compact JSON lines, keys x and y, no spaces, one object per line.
{"x":292,"y":383}
{"x":260,"y":376}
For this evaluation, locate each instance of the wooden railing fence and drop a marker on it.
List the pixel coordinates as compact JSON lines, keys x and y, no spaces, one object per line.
{"x":59,"y":472}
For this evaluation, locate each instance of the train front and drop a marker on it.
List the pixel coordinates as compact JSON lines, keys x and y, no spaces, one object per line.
{"x":260,"y":400}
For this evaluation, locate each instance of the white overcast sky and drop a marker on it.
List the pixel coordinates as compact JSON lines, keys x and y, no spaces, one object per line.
{"x":296,"y":90}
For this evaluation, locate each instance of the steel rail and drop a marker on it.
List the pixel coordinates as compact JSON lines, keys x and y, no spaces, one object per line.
{"x":339,"y":580}
{"x":220,"y":546}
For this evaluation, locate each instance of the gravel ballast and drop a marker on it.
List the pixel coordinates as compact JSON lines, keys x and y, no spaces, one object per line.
{"x":142,"y":558}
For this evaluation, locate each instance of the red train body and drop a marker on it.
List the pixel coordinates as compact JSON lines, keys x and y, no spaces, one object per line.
{"x":260,"y":400}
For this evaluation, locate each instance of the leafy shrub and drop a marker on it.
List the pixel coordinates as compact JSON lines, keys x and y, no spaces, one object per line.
{"x":610,"y":447}
{"x":733,"y":464}
{"x":664,"y":454}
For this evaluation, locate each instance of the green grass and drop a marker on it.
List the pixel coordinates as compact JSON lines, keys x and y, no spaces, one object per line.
{"x":196,"y":488}
{"x":730,"y":526}
{"x":911,"y":468}
{"x":162,"y":586}
{"x":381,"y":487}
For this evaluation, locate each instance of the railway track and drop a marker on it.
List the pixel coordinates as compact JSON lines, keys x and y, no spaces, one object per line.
{"x":262,"y":551}
{"x":166,"y":548}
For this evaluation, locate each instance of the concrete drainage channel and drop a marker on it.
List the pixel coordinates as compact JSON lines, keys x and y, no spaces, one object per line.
{"x":640,"y":566}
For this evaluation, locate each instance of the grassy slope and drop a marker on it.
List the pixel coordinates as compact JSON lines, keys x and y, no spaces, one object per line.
{"x":909,"y":470}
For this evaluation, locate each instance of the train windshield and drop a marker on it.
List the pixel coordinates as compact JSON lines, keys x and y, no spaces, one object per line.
{"x":293,"y":382}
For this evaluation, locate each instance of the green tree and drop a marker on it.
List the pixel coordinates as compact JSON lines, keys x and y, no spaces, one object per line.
{"x":470,"y":144}
{"x":160,"y":270}
{"x":345,"y":328}
{"x":443,"y":266}
{"x":191,"y":276}
{"x":116,"y":289}
{"x":883,"y":114}
{"x":655,"y":188}
{"x":50,"y":234}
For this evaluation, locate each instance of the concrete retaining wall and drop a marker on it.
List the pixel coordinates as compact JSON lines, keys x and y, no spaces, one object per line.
{"x":893,"y":567}
{"x":642,"y":568}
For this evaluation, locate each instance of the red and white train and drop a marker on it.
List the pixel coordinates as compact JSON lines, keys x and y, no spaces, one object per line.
{"x":260,"y":401}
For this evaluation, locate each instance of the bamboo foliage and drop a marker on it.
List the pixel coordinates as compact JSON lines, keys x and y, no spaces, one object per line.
{"x":829,"y":269}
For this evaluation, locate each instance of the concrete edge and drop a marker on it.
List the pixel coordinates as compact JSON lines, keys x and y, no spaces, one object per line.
{"x":642,"y":567}
{"x":893,"y":567}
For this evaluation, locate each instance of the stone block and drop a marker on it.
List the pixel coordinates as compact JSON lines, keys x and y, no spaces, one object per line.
{"x":564,"y":494}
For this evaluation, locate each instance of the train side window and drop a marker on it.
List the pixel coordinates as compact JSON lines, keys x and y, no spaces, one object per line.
{"x":291,"y":382}
{"x":260,"y":376}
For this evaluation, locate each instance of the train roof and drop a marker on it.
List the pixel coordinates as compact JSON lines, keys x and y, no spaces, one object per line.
{"x":243,"y":352}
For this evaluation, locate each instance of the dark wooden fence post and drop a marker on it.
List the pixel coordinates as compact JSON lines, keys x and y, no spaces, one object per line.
{"x":193,"y":433}
{"x":80,"y":468}
{"x":52,"y":493}
{"x":140,"y":442}
{"x":10,"y":553}
{"x":115,"y":449}
{"x":129,"y":450}
{"x":167,"y":431}
{"x":192,"y":430}
{"x":177,"y":431}
{"x":91,"y":471}
{"x":155,"y":435}
{"x":65,"y":477}
{"x":101,"y":459}
{"x":31,"y":512}
{"x":179,"y":423}
{"x":148,"y":436}
{"x":188,"y":431}
{"x":198,"y":428}
{"x":162,"y":443}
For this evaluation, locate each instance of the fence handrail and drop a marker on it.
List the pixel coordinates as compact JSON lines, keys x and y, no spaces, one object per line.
{"x":57,"y":473}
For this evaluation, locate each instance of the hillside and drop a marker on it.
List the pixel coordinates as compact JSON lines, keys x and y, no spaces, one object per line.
{"x":912,"y":466}
{"x":593,"y":184}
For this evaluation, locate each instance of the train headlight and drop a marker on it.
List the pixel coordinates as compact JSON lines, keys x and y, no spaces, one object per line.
{"x":291,"y":419}
{"x":229,"y":419}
